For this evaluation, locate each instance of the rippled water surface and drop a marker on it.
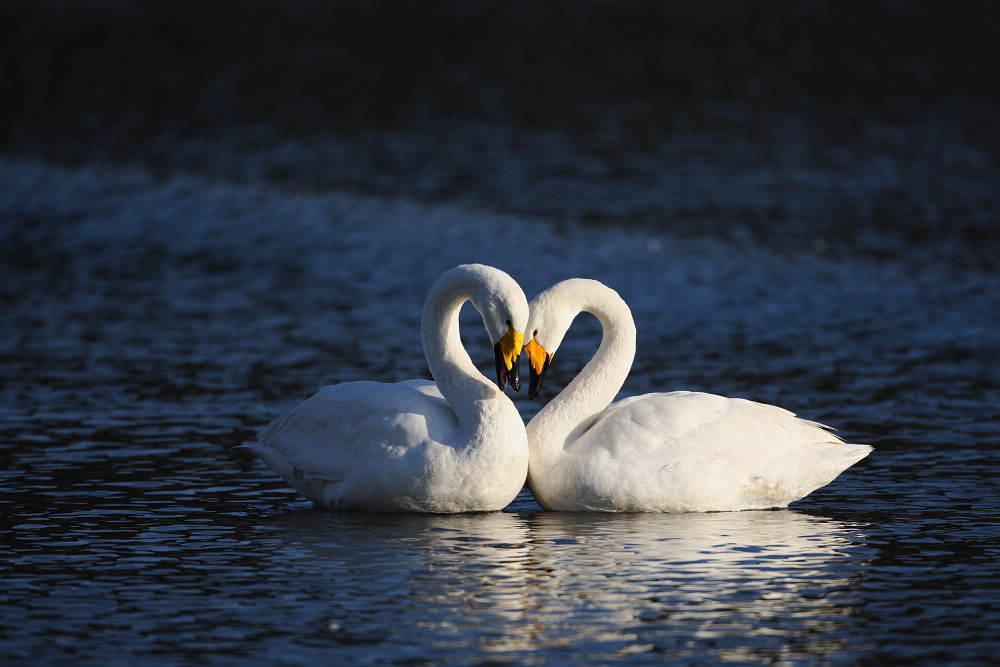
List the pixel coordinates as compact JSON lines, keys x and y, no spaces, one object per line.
{"x":189,"y":249}
{"x":166,"y":322}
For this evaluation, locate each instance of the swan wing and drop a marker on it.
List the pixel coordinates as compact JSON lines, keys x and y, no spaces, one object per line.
{"x":671,"y":427}
{"x":345,"y":425}
{"x":353,"y":440}
{"x":693,"y":451}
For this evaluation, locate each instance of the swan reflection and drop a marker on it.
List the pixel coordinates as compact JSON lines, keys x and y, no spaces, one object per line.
{"x":591,"y":584}
{"x":666,"y":579}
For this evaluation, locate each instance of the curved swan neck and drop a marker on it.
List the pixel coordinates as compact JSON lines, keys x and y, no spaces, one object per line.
{"x":572,"y":412}
{"x":458,"y":379}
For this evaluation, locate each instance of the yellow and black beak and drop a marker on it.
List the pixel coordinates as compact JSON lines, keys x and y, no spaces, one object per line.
{"x":508,"y":356}
{"x":538,"y":360}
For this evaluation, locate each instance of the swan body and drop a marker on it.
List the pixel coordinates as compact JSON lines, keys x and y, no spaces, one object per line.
{"x":662,"y":452}
{"x":457,"y":445}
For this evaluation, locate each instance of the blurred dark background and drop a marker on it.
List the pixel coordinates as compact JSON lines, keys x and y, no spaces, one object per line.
{"x":837,"y":127}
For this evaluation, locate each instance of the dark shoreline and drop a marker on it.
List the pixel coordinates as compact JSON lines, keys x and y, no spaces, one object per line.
{"x":572,"y":111}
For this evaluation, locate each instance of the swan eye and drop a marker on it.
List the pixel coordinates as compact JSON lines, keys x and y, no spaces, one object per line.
{"x":535,"y":332}
{"x":509,"y":323}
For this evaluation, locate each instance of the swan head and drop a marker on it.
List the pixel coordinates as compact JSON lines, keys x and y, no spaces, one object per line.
{"x":550,"y":319}
{"x":501,"y":302}
{"x":538,"y":360}
{"x":508,"y":357}
{"x":553,"y":311}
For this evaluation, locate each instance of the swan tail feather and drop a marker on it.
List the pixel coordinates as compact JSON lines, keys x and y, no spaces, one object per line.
{"x":321,"y":489}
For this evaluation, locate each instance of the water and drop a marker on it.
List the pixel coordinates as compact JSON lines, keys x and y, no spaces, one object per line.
{"x":136,"y":356}
{"x":171,"y":283}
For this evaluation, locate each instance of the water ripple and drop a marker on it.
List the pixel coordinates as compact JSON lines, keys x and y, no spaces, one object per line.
{"x":137,"y":360}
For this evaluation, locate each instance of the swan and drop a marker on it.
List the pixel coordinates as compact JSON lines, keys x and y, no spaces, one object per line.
{"x":664,"y":452}
{"x":455,"y":446}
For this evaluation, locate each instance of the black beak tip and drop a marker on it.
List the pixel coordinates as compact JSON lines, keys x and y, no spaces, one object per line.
{"x":535,"y":380}
{"x":514,"y":375}
{"x":503,"y":375}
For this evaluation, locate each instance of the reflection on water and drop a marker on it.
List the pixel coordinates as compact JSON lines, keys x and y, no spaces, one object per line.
{"x":580,"y":585}
{"x":668,"y":580}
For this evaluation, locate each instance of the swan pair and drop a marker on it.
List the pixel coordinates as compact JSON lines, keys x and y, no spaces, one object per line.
{"x":460,"y":445}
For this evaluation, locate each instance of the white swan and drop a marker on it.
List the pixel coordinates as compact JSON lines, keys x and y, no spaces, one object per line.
{"x":457,"y":446}
{"x":665,"y":452}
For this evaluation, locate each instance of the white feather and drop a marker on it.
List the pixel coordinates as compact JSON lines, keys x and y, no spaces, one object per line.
{"x":663,"y":452}
{"x":416,"y":446}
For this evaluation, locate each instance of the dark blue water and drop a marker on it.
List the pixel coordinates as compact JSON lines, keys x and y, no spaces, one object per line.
{"x":177,"y":268}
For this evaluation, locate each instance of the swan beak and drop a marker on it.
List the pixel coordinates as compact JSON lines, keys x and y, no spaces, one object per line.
{"x":539,"y":361}
{"x":508,"y":356}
